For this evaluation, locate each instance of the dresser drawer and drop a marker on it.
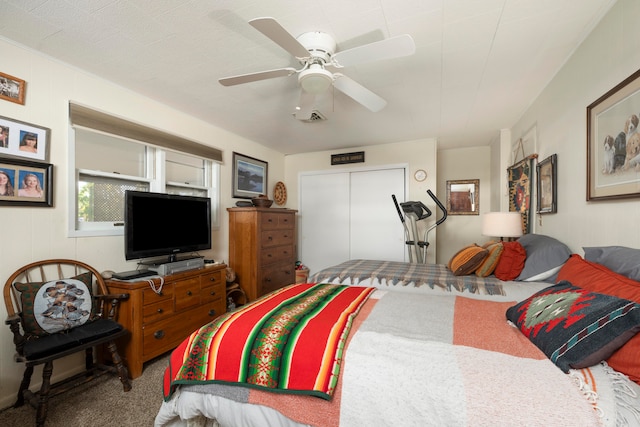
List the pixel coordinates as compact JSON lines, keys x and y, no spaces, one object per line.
{"x":212,"y":293}
{"x":275,"y":220}
{"x":164,"y":335}
{"x":277,"y":254}
{"x":270,"y":238}
{"x":276,"y":276}
{"x":149,"y":296}
{"x":187,"y":293}
{"x":215,"y":278}
{"x":157,"y":311}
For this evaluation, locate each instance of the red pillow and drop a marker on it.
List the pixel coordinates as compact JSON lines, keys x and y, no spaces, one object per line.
{"x":511,"y":261}
{"x":598,"y":278}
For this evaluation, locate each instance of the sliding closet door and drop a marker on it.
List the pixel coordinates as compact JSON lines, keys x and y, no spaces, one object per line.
{"x":375,"y":228}
{"x":324,"y":220}
{"x":350,"y":215}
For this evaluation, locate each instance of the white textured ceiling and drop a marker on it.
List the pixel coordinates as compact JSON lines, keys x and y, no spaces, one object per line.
{"x":478,"y":63}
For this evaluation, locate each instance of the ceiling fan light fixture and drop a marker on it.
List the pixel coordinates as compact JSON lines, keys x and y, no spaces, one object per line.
{"x":315,"y":79}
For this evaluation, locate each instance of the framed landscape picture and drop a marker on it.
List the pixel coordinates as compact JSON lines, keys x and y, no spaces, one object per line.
{"x":249,"y":176}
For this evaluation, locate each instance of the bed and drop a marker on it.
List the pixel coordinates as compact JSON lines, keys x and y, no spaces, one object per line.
{"x":412,"y":352}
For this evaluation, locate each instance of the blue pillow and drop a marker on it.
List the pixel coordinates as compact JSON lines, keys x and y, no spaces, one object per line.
{"x":624,"y":261}
{"x":574,"y":327}
{"x":545,"y":257}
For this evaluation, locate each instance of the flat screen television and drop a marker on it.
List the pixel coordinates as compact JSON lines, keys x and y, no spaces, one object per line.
{"x":158,"y":224}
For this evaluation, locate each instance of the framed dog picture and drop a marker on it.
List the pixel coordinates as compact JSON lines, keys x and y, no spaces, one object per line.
{"x":613,"y":143}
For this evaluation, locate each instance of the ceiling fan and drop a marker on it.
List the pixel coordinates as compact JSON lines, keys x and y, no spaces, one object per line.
{"x":316,"y":52}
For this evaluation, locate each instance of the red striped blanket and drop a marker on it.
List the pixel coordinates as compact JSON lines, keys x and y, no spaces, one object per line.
{"x":289,"y":341}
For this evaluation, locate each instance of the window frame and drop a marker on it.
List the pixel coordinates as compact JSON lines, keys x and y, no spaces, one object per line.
{"x":156,"y":161}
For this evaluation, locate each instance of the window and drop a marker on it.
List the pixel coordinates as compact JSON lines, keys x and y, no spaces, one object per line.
{"x":105,"y":165}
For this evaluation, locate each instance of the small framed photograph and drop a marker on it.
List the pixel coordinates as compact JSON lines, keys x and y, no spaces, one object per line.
{"x":25,"y":183}
{"x":21,"y":139}
{"x":546,"y":172}
{"x":249,"y":176}
{"x":613,"y":142}
{"x":12,"y":88}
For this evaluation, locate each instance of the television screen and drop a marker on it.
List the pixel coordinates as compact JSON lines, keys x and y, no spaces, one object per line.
{"x":158,"y":224}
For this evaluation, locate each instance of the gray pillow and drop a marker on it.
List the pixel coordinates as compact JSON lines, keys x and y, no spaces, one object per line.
{"x":545,"y":257}
{"x":624,"y":261}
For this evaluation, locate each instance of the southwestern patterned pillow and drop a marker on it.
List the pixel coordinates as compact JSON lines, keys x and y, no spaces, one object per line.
{"x":574,"y":327}
{"x":467,"y":260}
{"x":50,"y":307}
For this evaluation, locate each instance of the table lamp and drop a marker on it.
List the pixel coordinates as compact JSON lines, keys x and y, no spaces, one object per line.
{"x":502,"y":224}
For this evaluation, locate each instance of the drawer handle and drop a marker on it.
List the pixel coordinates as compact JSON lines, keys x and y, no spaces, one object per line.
{"x":212,"y":312}
{"x":269,"y":220}
{"x":268,"y":255}
{"x":212,"y":279}
{"x":189,"y":293}
{"x":270,"y":238}
{"x":212,"y":293}
{"x":286,"y":235}
{"x":158,"y":334}
{"x":267,"y":279}
{"x":160,"y":311}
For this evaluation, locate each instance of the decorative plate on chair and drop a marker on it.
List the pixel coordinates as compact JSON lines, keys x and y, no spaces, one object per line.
{"x":280,"y":193}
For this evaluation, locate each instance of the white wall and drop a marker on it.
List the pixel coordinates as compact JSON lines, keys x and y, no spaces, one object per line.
{"x":32,"y":233}
{"x":459,"y":231}
{"x":419,"y":154}
{"x":609,"y":55}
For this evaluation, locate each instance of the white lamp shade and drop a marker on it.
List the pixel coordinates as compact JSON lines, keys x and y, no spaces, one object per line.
{"x":502,"y":224}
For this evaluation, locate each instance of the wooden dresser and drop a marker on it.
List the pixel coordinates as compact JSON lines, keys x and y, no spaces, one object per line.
{"x":262,"y":248}
{"x":158,"y":322}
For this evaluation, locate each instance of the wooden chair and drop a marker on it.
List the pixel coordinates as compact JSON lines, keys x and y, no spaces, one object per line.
{"x":51,"y":316}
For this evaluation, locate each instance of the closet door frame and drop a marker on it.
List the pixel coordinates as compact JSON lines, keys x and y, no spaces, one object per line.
{"x":331,"y":239}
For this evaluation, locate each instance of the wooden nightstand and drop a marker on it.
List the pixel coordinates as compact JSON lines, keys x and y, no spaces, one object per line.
{"x":158,"y":322}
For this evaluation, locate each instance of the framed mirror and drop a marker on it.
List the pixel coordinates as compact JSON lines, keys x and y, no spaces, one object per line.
{"x":463,"y":197}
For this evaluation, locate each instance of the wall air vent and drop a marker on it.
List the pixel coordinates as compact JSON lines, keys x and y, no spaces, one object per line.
{"x":315,"y":117}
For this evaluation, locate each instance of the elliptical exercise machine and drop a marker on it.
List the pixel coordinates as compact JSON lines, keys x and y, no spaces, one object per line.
{"x":414,"y":212}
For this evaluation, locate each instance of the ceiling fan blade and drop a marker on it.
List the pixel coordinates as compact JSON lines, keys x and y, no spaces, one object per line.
{"x":359,"y":93}
{"x":272,"y":29}
{"x":305,"y":105}
{"x":393,"y":47}
{"x":254,"y":77}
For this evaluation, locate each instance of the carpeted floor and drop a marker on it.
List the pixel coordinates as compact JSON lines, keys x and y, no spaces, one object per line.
{"x":100,"y":403}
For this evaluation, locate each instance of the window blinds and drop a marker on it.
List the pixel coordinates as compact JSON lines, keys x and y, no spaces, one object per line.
{"x":86,"y":117}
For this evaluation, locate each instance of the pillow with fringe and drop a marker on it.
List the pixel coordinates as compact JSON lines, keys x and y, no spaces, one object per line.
{"x":491,"y":261}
